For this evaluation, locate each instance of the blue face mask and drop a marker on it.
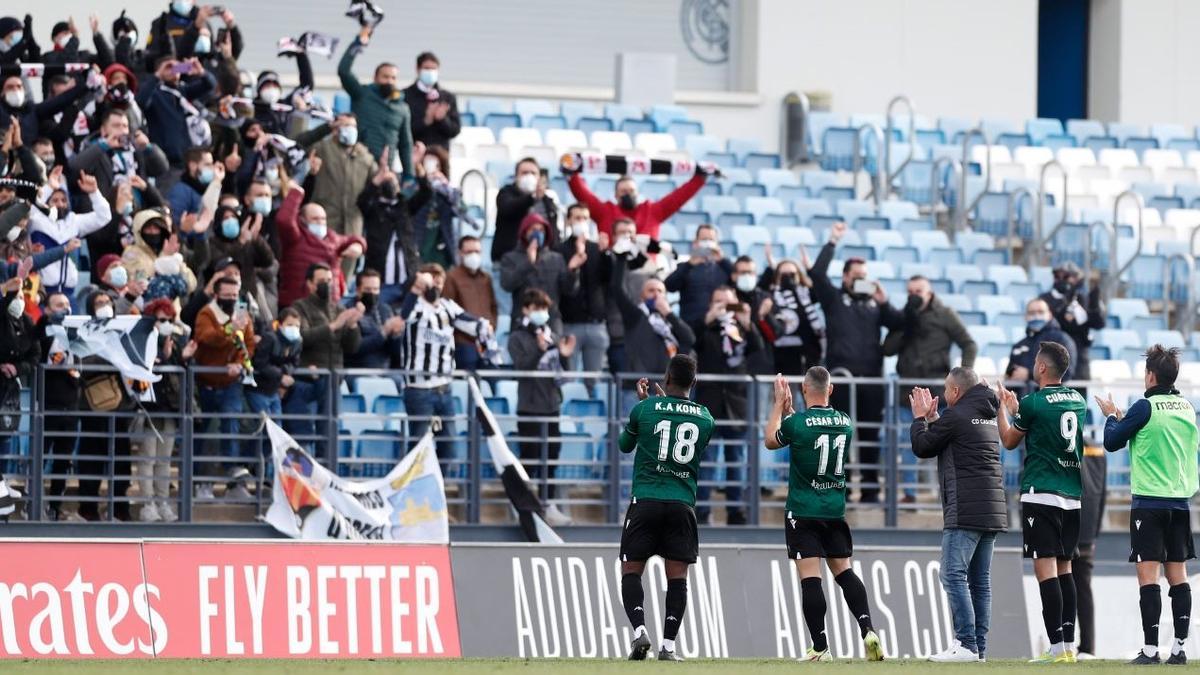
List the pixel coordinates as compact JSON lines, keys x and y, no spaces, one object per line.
{"x":205,"y":176}
{"x":650,"y":305}
{"x":182,"y":7}
{"x":230,"y":228}
{"x":203,"y":44}
{"x":348,"y":135}
{"x":1036,"y":325}
{"x":428,"y":76}
{"x":539,"y":317}
{"x":261,"y":205}
{"x":539,"y":237}
{"x":118,"y":277}
{"x":15,"y":37}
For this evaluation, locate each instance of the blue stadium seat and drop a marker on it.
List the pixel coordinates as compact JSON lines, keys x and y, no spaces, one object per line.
{"x":953,"y":126}
{"x":1056,"y":141}
{"x":588,"y":125}
{"x":379,"y":450}
{"x":735,"y":218}
{"x":482,"y":107}
{"x":681,"y":129}
{"x":816,"y":124}
{"x":762,"y":206}
{"x":987,"y":258}
{"x":722,"y":159}
{"x":663,"y":115}
{"x":836,"y":194}
{"x":910,"y":225}
{"x":779,"y":221}
{"x":391,"y":407}
{"x":896,"y":211}
{"x":757,"y":161}
{"x":838,"y":149}
{"x":927,"y":240}
{"x":632,"y":127}
{"x":807,"y":208}
{"x":353,"y":403}
{"x":573,"y":111}
{"x":1038,"y":129}
{"x":1146,"y":277}
{"x":792,"y":239}
{"x":528,"y":108}
{"x":498,"y":121}
{"x":901,"y":255}
{"x":371,"y":387}
{"x":945,"y":256}
{"x":773,"y":179}
{"x":1084,"y":130}
{"x":546,"y":122}
{"x":870,"y":222}
{"x":619,"y":112}
{"x":790,"y":193}
{"x":698,"y":145}
{"x":974,"y":289}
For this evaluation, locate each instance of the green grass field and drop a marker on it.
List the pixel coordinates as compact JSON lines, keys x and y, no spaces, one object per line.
{"x":548,"y":667}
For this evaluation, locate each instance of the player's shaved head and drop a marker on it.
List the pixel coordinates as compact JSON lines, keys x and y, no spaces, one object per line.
{"x":1055,"y":358}
{"x":817,"y":380}
{"x":681,"y":372}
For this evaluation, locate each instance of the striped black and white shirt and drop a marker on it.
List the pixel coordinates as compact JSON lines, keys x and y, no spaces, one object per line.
{"x":429,"y":339}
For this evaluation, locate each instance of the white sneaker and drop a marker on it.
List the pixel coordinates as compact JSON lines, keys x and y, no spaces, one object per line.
{"x":555,"y":517}
{"x":956,"y":654}
{"x":149,"y":513}
{"x":167,"y":512}
{"x":204,"y":491}
{"x":239,"y":493}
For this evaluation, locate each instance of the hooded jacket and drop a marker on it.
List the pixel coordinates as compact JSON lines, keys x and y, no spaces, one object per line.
{"x":1025,"y":352}
{"x":50,"y":233}
{"x":549,"y":273}
{"x":142,"y":262}
{"x":303,"y":248}
{"x":966,"y":442}
{"x":382,"y":122}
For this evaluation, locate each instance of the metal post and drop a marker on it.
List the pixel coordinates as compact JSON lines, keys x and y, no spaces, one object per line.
{"x":1014,"y":203}
{"x":887,"y":143}
{"x":753,"y":443}
{"x":935,"y":182}
{"x":1183,"y":314}
{"x":880,"y":170}
{"x":1087,"y":254}
{"x":474,"y":441}
{"x":487,"y":203}
{"x":334,"y":394}
{"x":964,"y":208}
{"x":1040,"y":236}
{"x":37,"y":422}
{"x":614,"y":450}
{"x":187,"y":453}
{"x":891,"y":433}
{"x":1115,"y":265}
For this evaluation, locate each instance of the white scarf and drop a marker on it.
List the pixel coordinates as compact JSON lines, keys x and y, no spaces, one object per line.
{"x":661,"y":328}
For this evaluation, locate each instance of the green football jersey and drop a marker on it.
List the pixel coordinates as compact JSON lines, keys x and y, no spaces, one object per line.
{"x":1052,"y":420}
{"x":672,"y":435}
{"x":818,"y":440}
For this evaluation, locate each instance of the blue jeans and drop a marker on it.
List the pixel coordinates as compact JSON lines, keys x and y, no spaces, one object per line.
{"x":426,"y":403}
{"x":591,"y":345}
{"x":967,"y":580}
{"x":734,"y":449}
{"x":306,"y":397}
{"x":467,"y":356}
{"x":264,"y":403}
{"x":224,"y":403}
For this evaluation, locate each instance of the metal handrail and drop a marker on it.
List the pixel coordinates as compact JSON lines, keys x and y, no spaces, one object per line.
{"x":887,"y":142}
{"x":964,"y":209}
{"x":935,"y":184}
{"x":1039,"y":240}
{"x":1087,"y":252}
{"x":1183,"y":317}
{"x":805,"y":108}
{"x":1113,"y":262}
{"x":860,"y":158}
{"x":487,"y":203}
{"x":1014,"y":203}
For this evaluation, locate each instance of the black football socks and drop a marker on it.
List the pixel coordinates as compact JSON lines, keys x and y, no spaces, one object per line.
{"x":1151,"y":605}
{"x":632,"y":596}
{"x":676,"y":605}
{"x":1181,"y":610}
{"x":1052,"y":609}
{"x":1066,"y":585}
{"x":812,"y":601}
{"x":856,"y":599}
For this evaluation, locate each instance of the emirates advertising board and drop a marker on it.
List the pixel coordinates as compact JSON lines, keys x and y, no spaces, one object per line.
{"x":270,"y":599}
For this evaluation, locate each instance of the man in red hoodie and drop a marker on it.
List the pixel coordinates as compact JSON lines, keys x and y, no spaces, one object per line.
{"x":306,"y":239}
{"x":647,"y":214}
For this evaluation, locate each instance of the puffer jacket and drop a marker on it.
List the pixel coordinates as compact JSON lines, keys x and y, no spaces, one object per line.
{"x":966,"y":442}
{"x":344,"y":173}
{"x":139,"y":259}
{"x":302,"y":248}
{"x":382,"y":122}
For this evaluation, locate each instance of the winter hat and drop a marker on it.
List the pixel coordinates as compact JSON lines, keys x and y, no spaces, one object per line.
{"x":146,"y":215}
{"x":9,"y":24}
{"x":105,"y":262}
{"x":268,"y":76}
{"x":123,"y":24}
{"x":60,"y":27}
{"x":130,"y":78}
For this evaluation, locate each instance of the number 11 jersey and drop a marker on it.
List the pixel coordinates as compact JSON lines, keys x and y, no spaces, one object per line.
{"x":672,"y":435}
{"x":818,"y":441}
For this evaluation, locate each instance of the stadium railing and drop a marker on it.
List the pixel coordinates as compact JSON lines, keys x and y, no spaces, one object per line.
{"x":359,"y":439}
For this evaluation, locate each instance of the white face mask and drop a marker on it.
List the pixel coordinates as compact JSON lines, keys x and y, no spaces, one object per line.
{"x":15,"y":98}
{"x":582,"y":229}
{"x":472,"y":261}
{"x":432,"y":165}
{"x":166,"y":329}
{"x":17,"y":307}
{"x":63,"y":40}
{"x":270,"y":94}
{"x":105,"y":312}
{"x":527,"y":182}
{"x":319,"y":230}
{"x":623,"y":245}
{"x":746,"y":283}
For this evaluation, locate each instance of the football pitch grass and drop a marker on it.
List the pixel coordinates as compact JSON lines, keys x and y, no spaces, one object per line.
{"x":532,"y":667}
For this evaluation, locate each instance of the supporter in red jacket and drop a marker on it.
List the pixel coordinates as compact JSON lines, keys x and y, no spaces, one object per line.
{"x":307,"y":239}
{"x":647,"y":214}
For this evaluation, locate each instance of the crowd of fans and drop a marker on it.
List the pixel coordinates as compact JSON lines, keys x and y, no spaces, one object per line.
{"x":273,"y":241}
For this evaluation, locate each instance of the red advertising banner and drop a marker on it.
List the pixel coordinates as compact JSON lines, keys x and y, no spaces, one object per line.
{"x":202,"y":599}
{"x":61,"y":599}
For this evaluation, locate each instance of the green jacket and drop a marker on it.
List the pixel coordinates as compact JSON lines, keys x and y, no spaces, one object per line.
{"x":924,"y":344}
{"x":344,"y":173}
{"x":381,"y":122}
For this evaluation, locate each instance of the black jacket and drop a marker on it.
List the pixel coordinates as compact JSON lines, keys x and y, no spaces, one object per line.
{"x":512,"y":206}
{"x":1080,"y":332}
{"x":62,"y":388}
{"x":590,"y":303}
{"x":726,"y":400}
{"x":1025,"y":352}
{"x":966,"y":442}
{"x":382,"y":219}
{"x":274,"y":357}
{"x":852,"y":323}
{"x":438,"y":133}
{"x":18,"y":343}
{"x":645,"y":350}
{"x":535,"y":395}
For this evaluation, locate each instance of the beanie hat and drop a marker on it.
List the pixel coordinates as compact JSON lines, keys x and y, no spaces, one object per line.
{"x":268,"y":76}
{"x":9,"y":24}
{"x":60,"y":27}
{"x":130,"y":78}
{"x":106,"y":261}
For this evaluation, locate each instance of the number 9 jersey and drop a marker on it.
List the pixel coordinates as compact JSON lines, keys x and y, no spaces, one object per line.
{"x":818,"y":440}
{"x":671,"y":435}
{"x":1052,"y":420}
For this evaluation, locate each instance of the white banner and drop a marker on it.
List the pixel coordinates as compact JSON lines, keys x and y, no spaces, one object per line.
{"x":310,"y":502}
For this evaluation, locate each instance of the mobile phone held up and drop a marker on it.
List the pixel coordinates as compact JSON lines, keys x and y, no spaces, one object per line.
{"x":864,"y":287}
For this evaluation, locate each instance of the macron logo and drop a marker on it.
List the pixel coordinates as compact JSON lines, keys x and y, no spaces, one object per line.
{"x":793,"y":522}
{"x":1137,"y":525}
{"x":1030,"y":521}
{"x":672,"y":618}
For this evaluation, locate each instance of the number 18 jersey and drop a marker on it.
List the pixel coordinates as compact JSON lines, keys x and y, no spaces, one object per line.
{"x":818,"y":440}
{"x":672,"y":435}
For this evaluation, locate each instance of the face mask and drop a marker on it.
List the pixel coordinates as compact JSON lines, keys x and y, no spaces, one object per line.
{"x":15,"y":37}
{"x":203,"y":44}
{"x":319,"y":230}
{"x":539,"y":317}
{"x":261,"y":205}
{"x":230,"y":228}
{"x":55,"y":318}
{"x":14,"y":233}
{"x":166,"y":328}
{"x":389,"y":189}
{"x":118,"y":277}
{"x":205,"y":176}
{"x":708,"y":244}
{"x":63,"y":40}
{"x":369,"y":300}
{"x":914,"y":301}
{"x":432,"y":165}
{"x":48,"y":160}
{"x":154,"y":241}
{"x":746,"y":283}
{"x":539,"y":237}
{"x":623,"y":245}
{"x":182,"y":7}
{"x":386,"y":90}
{"x":290,"y":333}
{"x":347,"y":135}
{"x":787,"y":281}
{"x":323,"y":291}
{"x":1064,"y":287}
{"x":131,"y":35}
{"x":227,"y":305}
{"x":527,"y":182}
{"x":472,"y":261}
{"x":428,"y":76}
{"x":105,"y":312}
{"x":1036,"y":325}
{"x":15,"y":98}
{"x":17,"y":307}
{"x":270,"y":95}
{"x":432,"y":293}
{"x":628,"y":201}
{"x":581,"y":230}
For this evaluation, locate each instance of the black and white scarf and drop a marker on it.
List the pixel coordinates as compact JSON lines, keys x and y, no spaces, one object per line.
{"x":661,"y":328}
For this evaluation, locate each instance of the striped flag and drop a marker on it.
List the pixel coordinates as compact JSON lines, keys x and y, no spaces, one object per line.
{"x":512,"y":474}
{"x":129,"y":343}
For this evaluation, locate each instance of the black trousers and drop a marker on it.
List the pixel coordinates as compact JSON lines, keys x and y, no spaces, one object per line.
{"x":61,"y":434}
{"x":531,"y":451}
{"x":868,"y":410}
{"x":97,"y":435}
